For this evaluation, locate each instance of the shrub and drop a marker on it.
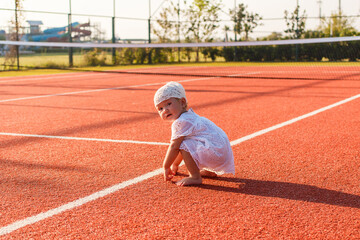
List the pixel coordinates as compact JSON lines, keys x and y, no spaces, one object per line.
{"x":95,"y":58}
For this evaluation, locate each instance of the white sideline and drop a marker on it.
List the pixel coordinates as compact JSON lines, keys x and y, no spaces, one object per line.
{"x":81,"y":201}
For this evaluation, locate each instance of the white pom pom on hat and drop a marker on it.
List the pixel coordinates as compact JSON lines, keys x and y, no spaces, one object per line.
{"x":169,"y":90}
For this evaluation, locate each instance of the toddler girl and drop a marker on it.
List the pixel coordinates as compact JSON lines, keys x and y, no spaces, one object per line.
{"x":202,"y":145}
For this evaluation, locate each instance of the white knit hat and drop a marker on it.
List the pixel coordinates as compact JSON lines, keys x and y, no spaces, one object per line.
{"x":170,"y":90}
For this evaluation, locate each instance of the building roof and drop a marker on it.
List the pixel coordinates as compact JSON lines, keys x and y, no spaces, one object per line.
{"x":34,"y":23}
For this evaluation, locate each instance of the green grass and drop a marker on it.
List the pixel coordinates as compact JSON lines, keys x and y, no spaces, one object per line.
{"x":41,"y":60}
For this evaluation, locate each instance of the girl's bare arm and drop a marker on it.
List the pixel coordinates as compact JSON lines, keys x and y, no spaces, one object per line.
{"x":171,"y":154}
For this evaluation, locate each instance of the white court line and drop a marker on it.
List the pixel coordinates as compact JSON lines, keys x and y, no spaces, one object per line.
{"x":103,"y":89}
{"x":81,"y":139}
{"x":283,"y":124}
{"x":116,"y":88}
{"x":81,"y":201}
{"x":77,"y":92}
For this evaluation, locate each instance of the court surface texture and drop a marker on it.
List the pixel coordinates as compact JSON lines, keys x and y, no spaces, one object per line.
{"x":81,"y":155}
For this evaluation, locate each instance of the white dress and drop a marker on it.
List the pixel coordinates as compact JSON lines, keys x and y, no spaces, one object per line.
{"x":207,"y":143}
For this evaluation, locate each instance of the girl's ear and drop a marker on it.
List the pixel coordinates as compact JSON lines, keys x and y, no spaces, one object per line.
{"x":183,"y":102}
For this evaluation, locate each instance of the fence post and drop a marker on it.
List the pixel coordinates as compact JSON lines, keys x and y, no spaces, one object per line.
{"x":113,"y":41}
{"x":297,"y":30}
{"x":149,"y":28}
{"x":17,"y":34}
{"x":235,"y":29}
{"x":178,"y":30}
{"x":71,"y":62}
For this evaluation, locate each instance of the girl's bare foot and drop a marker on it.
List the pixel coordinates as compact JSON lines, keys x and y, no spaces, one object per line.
{"x":205,"y":173}
{"x":189,"y":181}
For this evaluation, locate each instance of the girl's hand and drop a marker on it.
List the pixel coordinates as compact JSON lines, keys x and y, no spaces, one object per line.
{"x":168,"y":174}
{"x":174,"y":169}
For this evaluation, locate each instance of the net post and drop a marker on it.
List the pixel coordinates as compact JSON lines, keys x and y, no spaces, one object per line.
{"x":17,"y":35}
{"x":297,"y":30}
{"x":71,"y":62}
{"x":113,"y":41}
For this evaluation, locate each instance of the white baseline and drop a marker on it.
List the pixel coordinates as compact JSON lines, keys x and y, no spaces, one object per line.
{"x":81,"y":201}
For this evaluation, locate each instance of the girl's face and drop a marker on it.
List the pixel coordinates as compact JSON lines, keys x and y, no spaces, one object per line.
{"x":171,"y":109}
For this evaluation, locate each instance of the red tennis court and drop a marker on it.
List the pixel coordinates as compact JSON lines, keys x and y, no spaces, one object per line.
{"x":81,"y":155}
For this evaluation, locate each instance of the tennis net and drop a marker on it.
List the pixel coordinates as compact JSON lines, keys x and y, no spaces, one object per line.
{"x":223,"y":59}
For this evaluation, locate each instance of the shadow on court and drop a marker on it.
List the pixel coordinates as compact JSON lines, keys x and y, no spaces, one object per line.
{"x":285,"y":190}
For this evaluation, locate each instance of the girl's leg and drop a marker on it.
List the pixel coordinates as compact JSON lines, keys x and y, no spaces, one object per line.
{"x":176,"y":163}
{"x":195,"y":177}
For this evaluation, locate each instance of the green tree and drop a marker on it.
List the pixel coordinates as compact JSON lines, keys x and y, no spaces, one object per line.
{"x":226,"y":29}
{"x":338,"y":26}
{"x":244,"y":21}
{"x":13,"y":53}
{"x":188,"y":50}
{"x":295,"y":22}
{"x":273,"y":36}
{"x":202,"y":17}
{"x":166,"y":28}
{"x":211,"y":52}
{"x":313,"y":34}
{"x":238,"y":18}
{"x":250,"y":23}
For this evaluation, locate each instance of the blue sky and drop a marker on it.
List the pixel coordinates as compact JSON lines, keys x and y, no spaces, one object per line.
{"x":126,"y":28}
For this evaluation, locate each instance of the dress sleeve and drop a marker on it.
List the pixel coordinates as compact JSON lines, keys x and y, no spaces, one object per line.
{"x":181,"y":128}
